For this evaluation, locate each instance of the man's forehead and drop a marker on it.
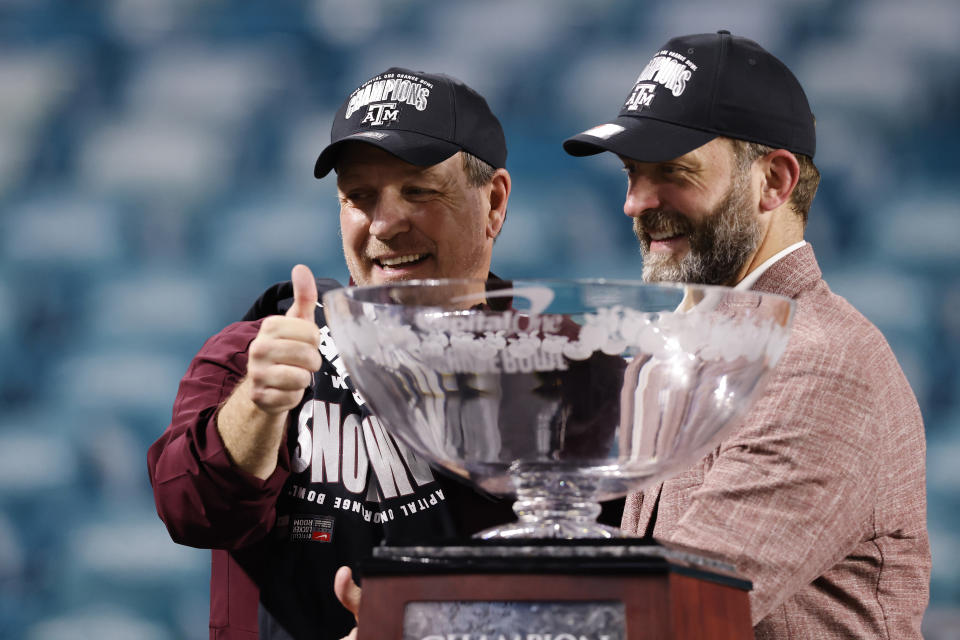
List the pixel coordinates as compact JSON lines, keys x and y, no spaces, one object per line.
{"x":360,"y":157}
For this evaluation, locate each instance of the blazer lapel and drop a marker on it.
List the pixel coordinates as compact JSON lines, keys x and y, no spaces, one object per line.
{"x":638,"y":510}
{"x":675,"y":497}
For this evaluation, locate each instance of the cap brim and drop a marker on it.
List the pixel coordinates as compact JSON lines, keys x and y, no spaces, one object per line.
{"x":642,"y":139}
{"x":410,"y":146}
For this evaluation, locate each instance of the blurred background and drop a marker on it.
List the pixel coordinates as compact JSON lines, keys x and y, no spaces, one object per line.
{"x":156,"y":175}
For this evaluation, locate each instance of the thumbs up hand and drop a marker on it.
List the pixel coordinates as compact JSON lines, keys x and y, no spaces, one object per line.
{"x":284,"y":354}
{"x":304,"y":294}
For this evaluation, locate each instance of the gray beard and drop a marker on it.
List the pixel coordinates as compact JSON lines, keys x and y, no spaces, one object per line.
{"x":720,"y":244}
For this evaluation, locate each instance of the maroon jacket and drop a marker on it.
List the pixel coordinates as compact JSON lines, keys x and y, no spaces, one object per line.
{"x":341,"y":486}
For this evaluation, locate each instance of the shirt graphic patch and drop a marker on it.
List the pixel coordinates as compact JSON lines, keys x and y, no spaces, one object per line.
{"x":312,"y":528}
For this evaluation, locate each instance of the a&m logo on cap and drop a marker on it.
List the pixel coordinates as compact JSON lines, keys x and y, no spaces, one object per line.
{"x":667,"y":69}
{"x":377,"y":114}
{"x":385,"y":95}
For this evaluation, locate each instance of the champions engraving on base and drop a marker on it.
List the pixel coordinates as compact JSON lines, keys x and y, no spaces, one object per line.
{"x":514,"y":621}
{"x":311,"y":528}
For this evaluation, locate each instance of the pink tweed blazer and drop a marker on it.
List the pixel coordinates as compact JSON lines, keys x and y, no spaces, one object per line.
{"x":819,"y":497}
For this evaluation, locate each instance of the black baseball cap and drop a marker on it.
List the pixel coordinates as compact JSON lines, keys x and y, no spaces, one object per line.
{"x":422,"y":118}
{"x":698,"y":87}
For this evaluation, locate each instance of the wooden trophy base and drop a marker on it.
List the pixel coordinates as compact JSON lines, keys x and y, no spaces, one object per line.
{"x":551,"y":590}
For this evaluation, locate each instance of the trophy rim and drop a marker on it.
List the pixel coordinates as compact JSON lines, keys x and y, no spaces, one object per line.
{"x":351,"y":291}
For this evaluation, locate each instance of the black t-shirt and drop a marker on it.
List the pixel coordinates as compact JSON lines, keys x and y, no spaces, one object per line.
{"x":352,"y":486}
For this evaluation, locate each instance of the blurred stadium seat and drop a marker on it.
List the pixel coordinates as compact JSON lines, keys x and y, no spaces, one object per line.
{"x":34,"y":460}
{"x":920,"y":230}
{"x":111,"y":624}
{"x":158,"y":307}
{"x":62,"y":231}
{"x":156,"y":156}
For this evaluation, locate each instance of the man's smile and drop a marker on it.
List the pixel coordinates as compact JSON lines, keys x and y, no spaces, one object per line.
{"x":667,"y":241}
{"x":398,"y":261}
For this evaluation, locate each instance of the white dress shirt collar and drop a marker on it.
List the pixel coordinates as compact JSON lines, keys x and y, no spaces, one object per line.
{"x":749,"y":280}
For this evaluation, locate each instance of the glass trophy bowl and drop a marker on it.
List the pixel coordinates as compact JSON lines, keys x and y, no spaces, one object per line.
{"x":559,"y":393}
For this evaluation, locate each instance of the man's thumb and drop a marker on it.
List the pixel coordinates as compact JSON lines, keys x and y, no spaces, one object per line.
{"x":304,"y":293}
{"x":348,"y":593}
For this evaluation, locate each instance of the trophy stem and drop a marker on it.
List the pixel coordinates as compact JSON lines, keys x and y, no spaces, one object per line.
{"x":552,"y":505}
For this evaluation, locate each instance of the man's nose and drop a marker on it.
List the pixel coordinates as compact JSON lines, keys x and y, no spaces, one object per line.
{"x":642,"y":196}
{"x":391,"y":216}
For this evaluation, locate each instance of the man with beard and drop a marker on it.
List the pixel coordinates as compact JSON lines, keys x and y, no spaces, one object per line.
{"x":819,"y":496}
